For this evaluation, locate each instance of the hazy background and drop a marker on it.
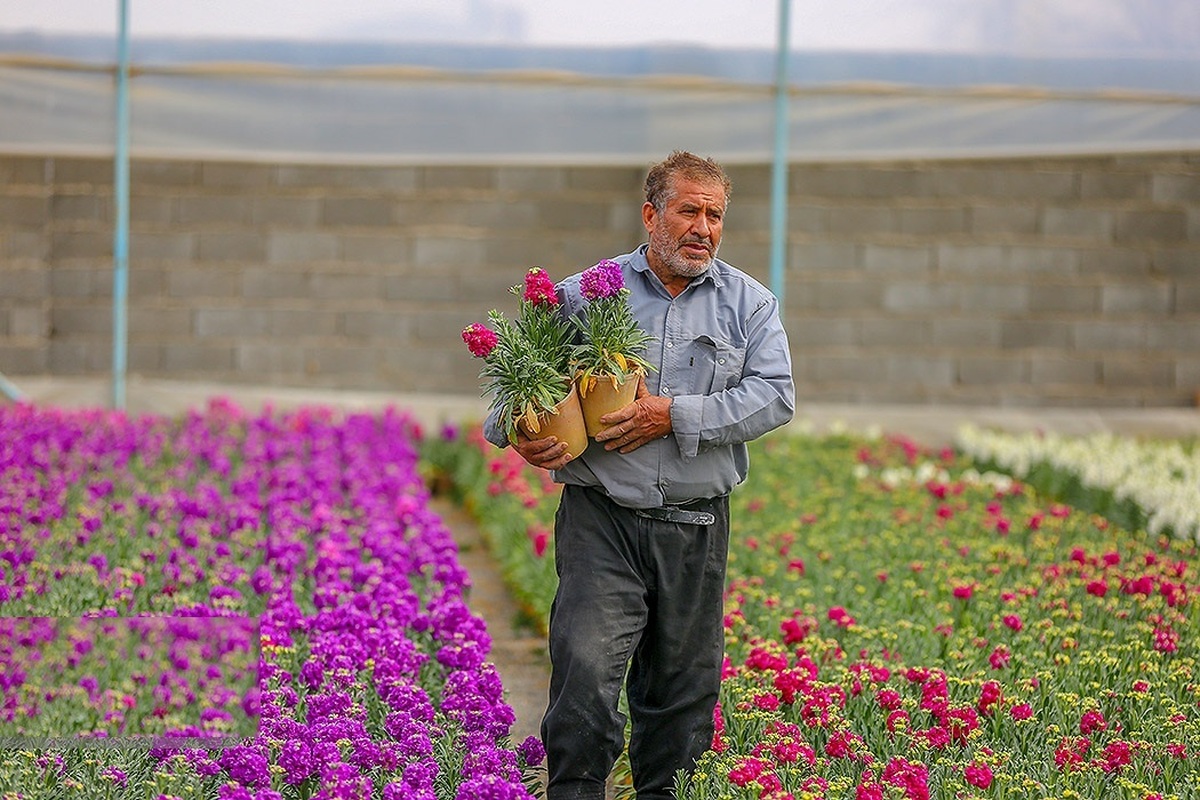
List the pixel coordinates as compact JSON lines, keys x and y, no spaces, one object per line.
{"x":1022,"y":27}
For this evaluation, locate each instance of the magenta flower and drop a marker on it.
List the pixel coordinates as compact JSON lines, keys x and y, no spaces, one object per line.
{"x":602,"y":280}
{"x":480,"y":339}
{"x":539,"y":288}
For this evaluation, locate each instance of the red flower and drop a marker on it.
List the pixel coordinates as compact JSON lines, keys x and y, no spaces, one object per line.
{"x":539,"y":288}
{"x":1098,"y":588}
{"x":839,"y":616}
{"x":964,"y":591}
{"x":1071,"y":753}
{"x":1021,"y":712}
{"x":978,"y":775}
{"x":1000,"y":657}
{"x":480,"y":339}
{"x":989,"y":695}
{"x":1013,"y":622}
{"x":1092,"y":721}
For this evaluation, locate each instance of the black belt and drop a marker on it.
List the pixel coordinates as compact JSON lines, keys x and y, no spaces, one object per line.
{"x":682,"y":514}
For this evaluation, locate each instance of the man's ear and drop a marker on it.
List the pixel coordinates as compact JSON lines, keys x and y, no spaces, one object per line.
{"x":648,"y":213}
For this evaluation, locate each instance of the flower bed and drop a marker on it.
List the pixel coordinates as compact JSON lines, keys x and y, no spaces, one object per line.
{"x":1151,"y":484}
{"x":307,"y":533}
{"x":901,"y":625}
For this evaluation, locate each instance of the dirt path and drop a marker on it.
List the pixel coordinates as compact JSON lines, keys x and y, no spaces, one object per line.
{"x":519,"y":655}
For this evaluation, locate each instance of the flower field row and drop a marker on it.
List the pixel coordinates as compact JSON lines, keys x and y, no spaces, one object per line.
{"x":232,"y":606}
{"x":902,"y":625}
{"x":1151,"y":484}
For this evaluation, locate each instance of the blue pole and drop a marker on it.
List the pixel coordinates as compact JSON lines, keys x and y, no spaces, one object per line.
{"x":121,"y":204}
{"x":779,"y":166}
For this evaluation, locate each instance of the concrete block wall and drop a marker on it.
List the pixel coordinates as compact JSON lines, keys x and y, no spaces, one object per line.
{"x":1039,"y":282}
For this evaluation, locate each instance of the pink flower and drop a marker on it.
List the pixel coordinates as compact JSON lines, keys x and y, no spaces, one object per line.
{"x":1000,"y":657}
{"x":964,"y":591}
{"x":1013,"y":622}
{"x":978,"y":775}
{"x":602,"y":280}
{"x":1097,"y":588}
{"x":989,"y":695}
{"x":1021,"y":712}
{"x":840,"y":617}
{"x":1092,"y":721}
{"x":539,"y":289}
{"x":480,"y":339}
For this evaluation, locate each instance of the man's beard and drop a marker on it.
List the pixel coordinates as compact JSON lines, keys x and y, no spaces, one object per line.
{"x":667,"y":250}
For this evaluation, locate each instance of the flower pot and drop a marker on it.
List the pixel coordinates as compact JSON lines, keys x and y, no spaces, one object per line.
{"x":567,"y":425}
{"x":602,"y":395}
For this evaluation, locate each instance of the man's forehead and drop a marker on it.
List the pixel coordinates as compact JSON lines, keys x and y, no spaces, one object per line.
{"x":688,"y":190}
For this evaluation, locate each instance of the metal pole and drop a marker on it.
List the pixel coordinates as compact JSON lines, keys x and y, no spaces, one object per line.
{"x":121,"y":204}
{"x":10,"y":390}
{"x":779,"y":166}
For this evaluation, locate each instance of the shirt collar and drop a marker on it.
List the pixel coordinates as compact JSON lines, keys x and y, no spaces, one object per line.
{"x":713,"y":273}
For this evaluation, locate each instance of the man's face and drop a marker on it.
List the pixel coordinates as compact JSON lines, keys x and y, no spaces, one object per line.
{"x":684,"y":238}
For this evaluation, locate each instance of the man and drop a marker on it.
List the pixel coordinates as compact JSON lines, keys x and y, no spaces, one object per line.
{"x":642,"y":528}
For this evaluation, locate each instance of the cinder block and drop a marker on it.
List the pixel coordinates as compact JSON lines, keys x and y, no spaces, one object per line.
{"x":160,"y":322}
{"x":342,"y":360}
{"x":1187,"y":297}
{"x":1034,"y":260}
{"x":809,"y":331}
{"x":975,"y":332}
{"x":1181,"y":262}
{"x":214,"y":359}
{"x":1098,"y":184}
{"x":1105,"y":336}
{"x":270,"y":358}
{"x":81,"y":244}
{"x":24,"y":284}
{"x":973,"y":259}
{"x":229,"y":322}
{"x":565,"y":214}
{"x":995,"y":299}
{"x":86,"y":171}
{"x":333,"y":287}
{"x":1009,"y":220}
{"x":144,"y":356}
{"x":861,"y":222}
{"x":531,"y":180}
{"x":898,"y":259}
{"x":1137,"y":372}
{"x":882,"y":332}
{"x":28,"y":321}
{"x":451,"y":251}
{"x":75,"y":208}
{"x":26,"y":171}
{"x":1078,"y":223}
{"x":839,"y":257}
{"x":24,"y":359}
{"x":244,"y":176}
{"x":296,"y":322}
{"x":75,"y":282}
{"x":923,"y":371}
{"x":1021,"y":334}
{"x":212,"y":209}
{"x":1159,"y":226}
{"x":301,"y":247}
{"x":1052,"y":369}
{"x":911,"y":298}
{"x":162,"y":246}
{"x":377,"y":248}
{"x":1177,"y":336}
{"x":983,"y":371}
{"x":859,"y":182}
{"x":79,"y":356}
{"x":24,"y":245}
{"x":361,"y":212}
{"x":851,"y":368}
{"x":930,"y":221}
{"x":1187,"y":376}
{"x":164,"y":173}
{"x":158,"y":210}
{"x":1116,"y":261}
{"x":450,"y":177}
{"x":437,"y":325}
{"x":1146,"y":298}
{"x":232,"y":246}
{"x":1063,"y":298}
{"x":804,"y":219}
{"x":623,"y":182}
{"x":1175,"y":188}
{"x":22,"y":211}
{"x":393,"y":325}
{"x":291,"y":211}
{"x":433,"y":288}
{"x":275,"y":282}
{"x":850,"y":295}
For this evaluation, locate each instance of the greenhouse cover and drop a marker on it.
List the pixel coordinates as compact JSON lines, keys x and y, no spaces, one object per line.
{"x":424,"y":103}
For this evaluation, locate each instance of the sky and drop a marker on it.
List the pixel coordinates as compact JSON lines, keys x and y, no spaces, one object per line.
{"x":1030,"y":26}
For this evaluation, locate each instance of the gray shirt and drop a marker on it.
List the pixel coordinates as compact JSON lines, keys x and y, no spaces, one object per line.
{"x":722,"y":357}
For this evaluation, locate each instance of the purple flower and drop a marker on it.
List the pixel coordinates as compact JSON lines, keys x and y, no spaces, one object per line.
{"x":602,"y":280}
{"x":532,"y":751}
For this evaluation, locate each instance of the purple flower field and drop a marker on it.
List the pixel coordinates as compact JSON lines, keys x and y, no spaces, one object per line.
{"x":226,"y":605}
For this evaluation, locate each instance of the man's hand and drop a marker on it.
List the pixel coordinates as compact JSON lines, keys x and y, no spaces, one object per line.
{"x":546,"y":453}
{"x":647,"y":418}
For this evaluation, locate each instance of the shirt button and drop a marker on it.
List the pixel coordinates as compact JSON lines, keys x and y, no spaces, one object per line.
{"x":720,"y":361}
{"x":670,"y":344}
{"x":666,"y":390}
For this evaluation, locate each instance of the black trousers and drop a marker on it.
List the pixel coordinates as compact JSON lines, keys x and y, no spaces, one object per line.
{"x":641,"y":595}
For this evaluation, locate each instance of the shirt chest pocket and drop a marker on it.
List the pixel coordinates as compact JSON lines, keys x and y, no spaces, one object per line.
{"x":716,"y":364}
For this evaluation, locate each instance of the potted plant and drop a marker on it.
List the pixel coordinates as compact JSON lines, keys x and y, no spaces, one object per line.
{"x":608,"y":362}
{"x":527,"y":366}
